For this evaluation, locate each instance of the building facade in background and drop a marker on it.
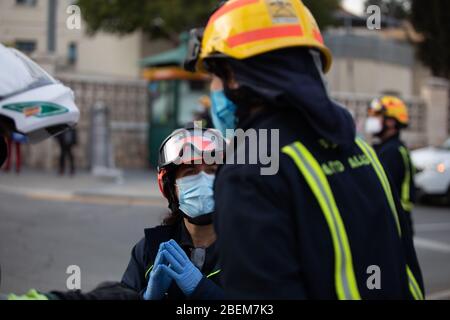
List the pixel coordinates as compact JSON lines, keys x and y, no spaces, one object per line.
{"x":29,"y":26}
{"x":105,"y":68}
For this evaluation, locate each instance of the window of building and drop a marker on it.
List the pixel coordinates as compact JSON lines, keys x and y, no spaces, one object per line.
{"x":26,"y":46}
{"x":72,"y":53}
{"x":30,"y":3}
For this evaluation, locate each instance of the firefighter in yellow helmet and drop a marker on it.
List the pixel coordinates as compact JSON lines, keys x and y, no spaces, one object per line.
{"x":387,"y":117}
{"x":310,"y":222}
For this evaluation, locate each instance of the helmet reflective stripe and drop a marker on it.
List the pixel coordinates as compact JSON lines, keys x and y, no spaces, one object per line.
{"x":370,"y":154}
{"x":264,"y":34}
{"x":345,"y":279}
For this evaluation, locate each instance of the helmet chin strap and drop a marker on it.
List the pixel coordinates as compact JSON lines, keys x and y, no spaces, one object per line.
{"x":203,"y":220}
{"x":380,"y":134}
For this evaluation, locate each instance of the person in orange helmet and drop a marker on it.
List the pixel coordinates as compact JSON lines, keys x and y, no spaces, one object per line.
{"x":387,"y":117}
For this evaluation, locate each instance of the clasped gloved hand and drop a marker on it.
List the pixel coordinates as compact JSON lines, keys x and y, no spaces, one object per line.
{"x":31,"y":295}
{"x":180,"y":268}
{"x":159,"y":281}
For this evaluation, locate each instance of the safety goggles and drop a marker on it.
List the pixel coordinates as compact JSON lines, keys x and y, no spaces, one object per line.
{"x":375,"y":109}
{"x":189,"y":146}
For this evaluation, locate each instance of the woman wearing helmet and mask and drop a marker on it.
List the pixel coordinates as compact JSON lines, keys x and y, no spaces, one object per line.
{"x":178,"y":259}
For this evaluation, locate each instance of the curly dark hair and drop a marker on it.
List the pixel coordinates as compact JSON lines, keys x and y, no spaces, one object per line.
{"x":172,"y":218}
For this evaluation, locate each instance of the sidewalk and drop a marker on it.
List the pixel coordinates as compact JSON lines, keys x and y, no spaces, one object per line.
{"x":136,"y":185}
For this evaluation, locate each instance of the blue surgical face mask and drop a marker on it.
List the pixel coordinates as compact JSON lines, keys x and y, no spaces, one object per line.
{"x":223,"y":112}
{"x":196,"y":195}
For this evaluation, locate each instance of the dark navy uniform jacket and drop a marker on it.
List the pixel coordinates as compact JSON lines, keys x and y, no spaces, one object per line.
{"x":394,"y":164}
{"x":274,"y":240}
{"x":144,"y":253}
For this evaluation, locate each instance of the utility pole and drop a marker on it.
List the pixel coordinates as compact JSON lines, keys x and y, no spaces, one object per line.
{"x":52,"y":24}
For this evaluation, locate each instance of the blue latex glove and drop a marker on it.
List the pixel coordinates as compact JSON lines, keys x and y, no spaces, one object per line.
{"x":181,"y":269}
{"x":159,"y":281}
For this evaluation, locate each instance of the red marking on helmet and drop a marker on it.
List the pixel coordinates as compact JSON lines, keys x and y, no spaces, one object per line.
{"x":199,"y":142}
{"x":263,"y":34}
{"x":161,"y":175}
{"x":230,"y":7}
{"x":318,"y":36}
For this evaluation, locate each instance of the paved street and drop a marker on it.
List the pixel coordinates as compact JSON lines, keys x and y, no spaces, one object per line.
{"x":40,"y":237}
{"x":432,"y":225}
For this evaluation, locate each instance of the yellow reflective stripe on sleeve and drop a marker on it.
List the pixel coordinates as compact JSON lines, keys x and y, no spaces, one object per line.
{"x":370,"y":154}
{"x":406,"y":203}
{"x":345,"y":280}
{"x":413,"y":285}
{"x":213,"y":273}
{"x":148,"y":271}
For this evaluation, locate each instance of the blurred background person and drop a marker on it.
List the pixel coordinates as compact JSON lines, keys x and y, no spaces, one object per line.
{"x":67,"y":141}
{"x":14,"y":142}
{"x":387,"y":117}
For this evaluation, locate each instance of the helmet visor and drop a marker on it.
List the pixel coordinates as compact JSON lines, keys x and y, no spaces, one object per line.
{"x":20,"y":73}
{"x":375,"y":108}
{"x":189,"y":146}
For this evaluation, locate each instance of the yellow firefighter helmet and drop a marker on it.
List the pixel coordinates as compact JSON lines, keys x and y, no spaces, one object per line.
{"x":392,"y":107}
{"x":241,"y":29}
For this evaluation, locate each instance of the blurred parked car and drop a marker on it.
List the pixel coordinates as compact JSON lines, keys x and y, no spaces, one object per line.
{"x":433,"y":170}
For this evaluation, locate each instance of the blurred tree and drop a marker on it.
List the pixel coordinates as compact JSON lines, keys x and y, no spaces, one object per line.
{"x":166,"y":18}
{"x":157,"y":18}
{"x":398,"y":9}
{"x":432,"y":19}
{"x":323,"y":10}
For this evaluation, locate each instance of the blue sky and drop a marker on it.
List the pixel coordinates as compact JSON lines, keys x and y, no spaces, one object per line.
{"x":356,"y":6}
